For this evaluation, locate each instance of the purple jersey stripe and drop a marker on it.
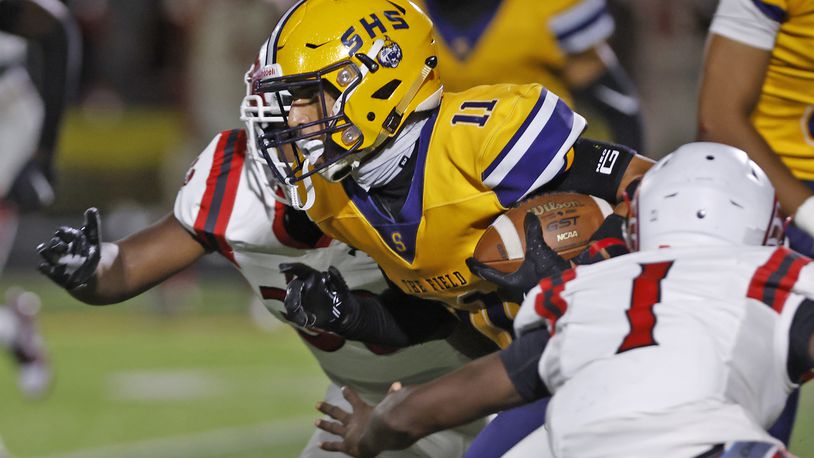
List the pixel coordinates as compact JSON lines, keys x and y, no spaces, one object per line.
{"x":538,"y":156}
{"x":516,"y":136}
{"x":773,"y":12}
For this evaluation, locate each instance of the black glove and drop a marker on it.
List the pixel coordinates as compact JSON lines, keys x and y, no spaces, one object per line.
{"x":72,"y":254}
{"x":317,"y":299}
{"x":607,"y":242}
{"x":540,"y":261}
{"x":32,"y":188}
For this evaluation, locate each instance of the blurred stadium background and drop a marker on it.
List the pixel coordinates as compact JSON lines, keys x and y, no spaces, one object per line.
{"x":192,"y":368}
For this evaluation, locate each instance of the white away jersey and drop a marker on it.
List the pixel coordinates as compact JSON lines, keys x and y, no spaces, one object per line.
{"x":666,"y":353}
{"x":227,"y":204}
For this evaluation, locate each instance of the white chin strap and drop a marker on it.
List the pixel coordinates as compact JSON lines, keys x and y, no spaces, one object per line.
{"x":292,"y":190}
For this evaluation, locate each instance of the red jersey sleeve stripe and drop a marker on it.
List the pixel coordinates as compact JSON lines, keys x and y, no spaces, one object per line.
{"x":221,"y":189}
{"x":772,"y":282}
{"x":279,"y":229}
{"x":549,"y":303}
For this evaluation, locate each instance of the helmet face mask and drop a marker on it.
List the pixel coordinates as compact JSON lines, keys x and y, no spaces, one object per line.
{"x":354,"y":72}
{"x":297,"y":151}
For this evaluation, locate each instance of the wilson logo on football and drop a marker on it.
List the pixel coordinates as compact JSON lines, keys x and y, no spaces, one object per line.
{"x":542,"y":209}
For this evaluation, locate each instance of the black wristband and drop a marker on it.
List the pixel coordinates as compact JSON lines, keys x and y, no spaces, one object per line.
{"x":597,"y":169}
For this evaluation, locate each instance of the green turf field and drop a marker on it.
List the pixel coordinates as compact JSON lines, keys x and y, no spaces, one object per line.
{"x":202,"y":381}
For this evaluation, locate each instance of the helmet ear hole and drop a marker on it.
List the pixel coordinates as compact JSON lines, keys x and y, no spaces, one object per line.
{"x":384,"y":92}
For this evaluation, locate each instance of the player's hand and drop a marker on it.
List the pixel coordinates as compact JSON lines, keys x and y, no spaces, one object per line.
{"x":350,"y":426}
{"x":71,"y":255}
{"x":32,"y":188}
{"x":317,"y":299}
{"x":607,"y":242}
{"x":540,"y":261}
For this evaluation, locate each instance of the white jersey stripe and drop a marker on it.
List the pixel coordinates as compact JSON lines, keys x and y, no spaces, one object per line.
{"x":549,"y":173}
{"x":526,"y":139}
{"x":591,"y":36}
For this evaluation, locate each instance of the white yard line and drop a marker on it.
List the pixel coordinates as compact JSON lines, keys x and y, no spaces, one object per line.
{"x":219,"y":442}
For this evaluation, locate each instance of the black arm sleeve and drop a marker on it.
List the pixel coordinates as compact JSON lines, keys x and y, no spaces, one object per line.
{"x":613,"y":96}
{"x":597,"y":169}
{"x":397,"y":319}
{"x":521,"y":359}
{"x":800,"y":359}
{"x":300,"y":227}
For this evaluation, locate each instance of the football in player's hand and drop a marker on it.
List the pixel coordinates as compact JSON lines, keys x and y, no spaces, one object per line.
{"x":568,"y":220}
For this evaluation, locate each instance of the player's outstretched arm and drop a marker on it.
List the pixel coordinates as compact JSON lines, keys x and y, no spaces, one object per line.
{"x":404,"y":416}
{"x":101,"y":273}
{"x":726,"y":102}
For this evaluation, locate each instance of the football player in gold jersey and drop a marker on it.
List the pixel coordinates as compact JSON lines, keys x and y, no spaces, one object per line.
{"x":561,"y":44}
{"x":406,"y":175}
{"x":757,"y":94}
{"x":382,"y":159}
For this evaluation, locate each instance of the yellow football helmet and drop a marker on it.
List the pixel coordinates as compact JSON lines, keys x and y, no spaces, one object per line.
{"x":376,"y":58}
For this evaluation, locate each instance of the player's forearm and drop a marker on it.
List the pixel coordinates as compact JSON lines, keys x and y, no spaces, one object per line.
{"x":480,"y":388}
{"x":115,"y":279}
{"x":727,"y":100}
{"x":634,"y":171}
{"x":603,"y":169}
{"x":397,"y":320}
{"x":135,"y":264}
{"x":107,"y":285}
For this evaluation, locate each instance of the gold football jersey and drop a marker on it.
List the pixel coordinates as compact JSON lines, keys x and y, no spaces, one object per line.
{"x":518,"y":41}
{"x":481,"y":151}
{"x":784,"y":115}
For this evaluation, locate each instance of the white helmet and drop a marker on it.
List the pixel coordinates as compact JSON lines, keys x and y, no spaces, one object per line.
{"x":704,"y":194}
{"x":265,"y":113}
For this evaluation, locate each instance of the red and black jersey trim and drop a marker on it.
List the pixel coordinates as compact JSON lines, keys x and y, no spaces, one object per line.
{"x":278,"y":226}
{"x":549,"y":303}
{"x":221,"y":189}
{"x":773,"y":281}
